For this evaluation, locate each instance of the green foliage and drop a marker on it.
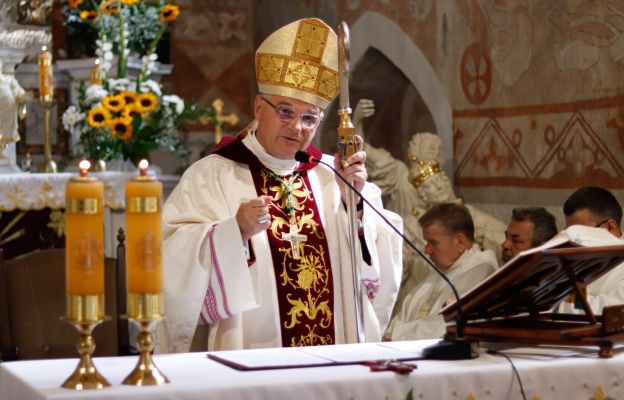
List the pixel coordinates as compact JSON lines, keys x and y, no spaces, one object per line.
{"x":125,"y":117}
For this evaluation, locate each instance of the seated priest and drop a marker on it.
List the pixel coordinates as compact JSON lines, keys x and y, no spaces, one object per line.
{"x":448,"y":231}
{"x":597,"y":207}
{"x":256,"y":249}
{"x":529,"y":227}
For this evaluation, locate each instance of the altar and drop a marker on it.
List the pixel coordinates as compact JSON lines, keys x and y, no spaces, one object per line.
{"x":32,"y":204}
{"x":546,"y":373}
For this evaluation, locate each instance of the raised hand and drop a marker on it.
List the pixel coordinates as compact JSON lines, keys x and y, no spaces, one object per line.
{"x":354,"y":171}
{"x":253,"y":216}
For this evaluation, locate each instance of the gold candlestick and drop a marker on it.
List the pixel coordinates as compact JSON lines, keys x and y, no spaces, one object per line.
{"x":85,"y":313}
{"x":48,"y":164}
{"x":145,"y":309}
{"x":46,"y":98}
{"x":84,"y":271}
{"x":144,"y":272}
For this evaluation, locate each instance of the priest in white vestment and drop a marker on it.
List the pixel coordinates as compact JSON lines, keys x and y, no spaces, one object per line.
{"x":596,"y":207}
{"x":449,"y":233}
{"x":256,"y":248}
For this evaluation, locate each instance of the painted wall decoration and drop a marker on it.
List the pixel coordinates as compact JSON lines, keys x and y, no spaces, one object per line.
{"x":536,"y":88}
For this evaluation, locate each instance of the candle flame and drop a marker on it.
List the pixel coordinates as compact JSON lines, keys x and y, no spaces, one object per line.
{"x":84,"y":166}
{"x":97,"y":61}
{"x":44,"y":48}
{"x":143,"y":164}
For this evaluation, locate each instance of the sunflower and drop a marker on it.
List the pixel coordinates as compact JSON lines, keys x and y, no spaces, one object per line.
{"x":146,"y":102}
{"x":121,"y":128}
{"x":98,"y":117}
{"x":114,"y":103}
{"x":110,"y":7}
{"x":129,"y":2}
{"x":168,"y":14}
{"x":131,"y":111}
{"x":74,"y":3}
{"x":90,"y":16}
{"x":129,"y":96}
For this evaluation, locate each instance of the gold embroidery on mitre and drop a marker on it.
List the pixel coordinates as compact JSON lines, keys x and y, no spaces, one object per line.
{"x":311,"y":40}
{"x":293,"y":64}
{"x":426,"y":170}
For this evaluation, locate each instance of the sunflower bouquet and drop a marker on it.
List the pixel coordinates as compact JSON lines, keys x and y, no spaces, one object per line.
{"x":126,"y":117}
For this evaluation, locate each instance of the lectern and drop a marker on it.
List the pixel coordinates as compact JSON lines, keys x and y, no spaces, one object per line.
{"x":516,"y":303}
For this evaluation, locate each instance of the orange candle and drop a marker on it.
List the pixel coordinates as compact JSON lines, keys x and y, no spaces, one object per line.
{"x":96,"y":78}
{"x":84,"y":234}
{"x":144,"y":233}
{"x":46,"y":81}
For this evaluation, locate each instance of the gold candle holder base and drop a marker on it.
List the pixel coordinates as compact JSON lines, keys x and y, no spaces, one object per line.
{"x":85,"y":313}
{"x":85,"y":376}
{"x":145,"y":309}
{"x":48,"y":167}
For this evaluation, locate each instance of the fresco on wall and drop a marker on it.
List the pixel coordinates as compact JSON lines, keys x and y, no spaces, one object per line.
{"x":540,"y":102}
{"x":212,"y":53}
{"x":536,"y":86}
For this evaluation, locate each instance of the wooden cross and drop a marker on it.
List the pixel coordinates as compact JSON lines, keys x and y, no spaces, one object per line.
{"x":231,"y":119}
{"x":294,"y":238}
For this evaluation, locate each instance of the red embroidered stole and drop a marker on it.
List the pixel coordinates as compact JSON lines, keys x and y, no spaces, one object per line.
{"x":305,"y":285}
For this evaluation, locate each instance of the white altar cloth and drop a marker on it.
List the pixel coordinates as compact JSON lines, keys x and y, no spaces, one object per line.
{"x":36,"y":191}
{"x":545,"y":375}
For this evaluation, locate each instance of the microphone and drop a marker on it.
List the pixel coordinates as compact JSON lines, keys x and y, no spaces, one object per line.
{"x":458,"y":348}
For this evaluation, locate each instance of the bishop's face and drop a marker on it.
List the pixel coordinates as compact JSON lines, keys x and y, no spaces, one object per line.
{"x":285,"y":125}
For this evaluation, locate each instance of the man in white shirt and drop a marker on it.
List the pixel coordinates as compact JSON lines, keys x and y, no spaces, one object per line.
{"x":449,"y":233}
{"x":597,"y":207}
{"x":257,"y":250}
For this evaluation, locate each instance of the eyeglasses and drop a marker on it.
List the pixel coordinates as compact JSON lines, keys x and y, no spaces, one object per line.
{"x":601,"y":223}
{"x":286,"y":114}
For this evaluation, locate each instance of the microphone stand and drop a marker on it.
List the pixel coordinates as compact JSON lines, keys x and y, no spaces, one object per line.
{"x":458,"y":348}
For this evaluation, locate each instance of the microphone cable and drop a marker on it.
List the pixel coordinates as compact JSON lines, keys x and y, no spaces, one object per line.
{"x":513,"y":367}
{"x":304,"y":157}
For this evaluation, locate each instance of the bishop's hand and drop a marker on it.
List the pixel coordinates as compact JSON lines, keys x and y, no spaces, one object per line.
{"x":253,"y":216}
{"x":353,"y":171}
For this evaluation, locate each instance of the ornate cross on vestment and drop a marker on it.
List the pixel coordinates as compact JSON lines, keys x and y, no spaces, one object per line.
{"x":294,"y":238}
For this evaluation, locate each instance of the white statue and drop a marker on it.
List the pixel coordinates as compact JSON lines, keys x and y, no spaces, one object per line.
{"x":410,"y":191}
{"x":11,"y":107}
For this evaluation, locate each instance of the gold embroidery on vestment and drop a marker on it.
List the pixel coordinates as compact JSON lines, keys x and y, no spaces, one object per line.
{"x":306,"y":273}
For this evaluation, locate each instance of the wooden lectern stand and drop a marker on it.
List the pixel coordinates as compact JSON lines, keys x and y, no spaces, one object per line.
{"x":515,"y":303}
